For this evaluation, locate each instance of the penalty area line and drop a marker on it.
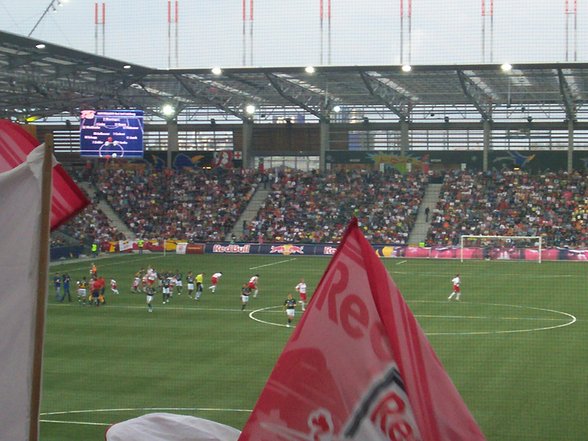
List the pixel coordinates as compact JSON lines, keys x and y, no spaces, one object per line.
{"x":272,"y":264}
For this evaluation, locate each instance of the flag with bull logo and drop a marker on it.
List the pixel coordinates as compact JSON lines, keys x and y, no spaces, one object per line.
{"x":358,"y":366}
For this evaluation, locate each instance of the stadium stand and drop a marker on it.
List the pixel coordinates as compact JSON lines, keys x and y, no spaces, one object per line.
{"x":197,"y":205}
{"x":552,"y":205}
{"x":311,"y":207}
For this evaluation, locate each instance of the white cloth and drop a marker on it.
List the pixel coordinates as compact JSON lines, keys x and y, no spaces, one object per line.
{"x":170,"y":427}
{"x":20,"y":219}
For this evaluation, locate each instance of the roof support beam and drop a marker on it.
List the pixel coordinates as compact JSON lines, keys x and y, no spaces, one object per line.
{"x":480,"y":99}
{"x":308,"y":100}
{"x":567,"y":96}
{"x":397,"y":102}
{"x":199,"y":91}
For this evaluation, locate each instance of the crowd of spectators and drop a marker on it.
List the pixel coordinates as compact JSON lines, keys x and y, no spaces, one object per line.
{"x":197,"y":205}
{"x":312,"y":207}
{"x":90,"y":226}
{"x":512,"y":203}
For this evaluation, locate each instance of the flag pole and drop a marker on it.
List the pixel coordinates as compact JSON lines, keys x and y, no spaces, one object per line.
{"x":42,"y":280}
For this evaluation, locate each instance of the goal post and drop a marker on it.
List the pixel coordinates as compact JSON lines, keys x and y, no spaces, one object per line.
{"x":500,"y":247}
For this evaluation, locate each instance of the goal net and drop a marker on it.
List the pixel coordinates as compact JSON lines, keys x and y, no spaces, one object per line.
{"x":500,"y":247}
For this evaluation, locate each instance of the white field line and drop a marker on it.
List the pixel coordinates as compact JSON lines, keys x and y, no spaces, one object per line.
{"x":272,"y":264}
{"x":129,"y":409}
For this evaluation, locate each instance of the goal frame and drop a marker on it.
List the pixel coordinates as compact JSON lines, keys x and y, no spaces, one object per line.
{"x":475,"y":236}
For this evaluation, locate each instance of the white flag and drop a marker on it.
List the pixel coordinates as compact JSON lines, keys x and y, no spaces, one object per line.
{"x":181,"y":247}
{"x":20,"y":222}
{"x":124,"y":245}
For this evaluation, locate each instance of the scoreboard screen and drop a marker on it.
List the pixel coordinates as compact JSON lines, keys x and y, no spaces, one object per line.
{"x":111,"y":133}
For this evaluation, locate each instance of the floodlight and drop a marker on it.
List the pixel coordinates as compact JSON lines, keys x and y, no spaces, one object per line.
{"x":217,"y":70}
{"x":506,"y":67}
{"x":336,"y":109}
{"x":310,"y":69}
{"x":168,"y":110}
{"x":406,"y":68}
{"x":250,"y":109}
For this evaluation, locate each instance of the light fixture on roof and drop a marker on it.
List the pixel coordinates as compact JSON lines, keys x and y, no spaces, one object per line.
{"x":309,"y":69}
{"x":216,"y":70}
{"x":336,"y":108}
{"x":168,"y":110}
{"x":127,"y":66}
{"x":406,"y":68}
{"x":40,"y":46}
{"x":250,"y":109}
{"x":506,"y":67}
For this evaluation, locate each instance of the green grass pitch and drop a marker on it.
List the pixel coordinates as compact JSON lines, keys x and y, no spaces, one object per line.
{"x":515,"y":346}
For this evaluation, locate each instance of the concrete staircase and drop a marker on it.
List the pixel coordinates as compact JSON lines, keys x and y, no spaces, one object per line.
{"x":108,"y":211}
{"x":250,"y":212}
{"x":421,"y":226}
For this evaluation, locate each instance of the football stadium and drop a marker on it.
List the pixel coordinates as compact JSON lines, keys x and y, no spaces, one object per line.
{"x":326,"y":220}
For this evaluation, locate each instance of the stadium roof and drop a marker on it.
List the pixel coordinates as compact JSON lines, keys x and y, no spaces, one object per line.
{"x":49,"y":80}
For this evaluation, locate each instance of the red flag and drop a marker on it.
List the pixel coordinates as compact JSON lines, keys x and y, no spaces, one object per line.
{"x":358,"y":366}
{"x":15,"y":145}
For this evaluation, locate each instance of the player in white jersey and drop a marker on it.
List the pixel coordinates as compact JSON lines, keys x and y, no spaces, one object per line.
{"x":136,"y":283}
{"x":214,"y":281}
{"x":114,"y":286}
{"x":456,"y":281}
{"x":253,"y":281}
{"x":301,"y":288}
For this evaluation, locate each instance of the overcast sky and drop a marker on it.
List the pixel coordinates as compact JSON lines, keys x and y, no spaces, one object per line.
{"x":288,"y":33}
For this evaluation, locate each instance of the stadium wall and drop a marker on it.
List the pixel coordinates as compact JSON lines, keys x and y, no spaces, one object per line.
{"x":532,"y":161}
{"x":382,"y":250}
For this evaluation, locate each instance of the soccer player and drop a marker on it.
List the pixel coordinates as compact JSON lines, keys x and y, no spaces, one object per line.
{"x":190,"y":283}
{"x":95,"y":291}
{"x":165,"y":287}
{"x":100,"y":286}
{"x":214,"y":280}
{"x":456,"y":281}
{"x":199,"y":281}
{"x":245,"y":292}
{"x":253,"y":281}
{"x":114,"y":286}
{"x":149,"y":291}
{"x":136,"y":283}
{"x":179,"y":283}
{"x":82,"y":290}
{"x":290,"y":307}
{"x":301,"y":288}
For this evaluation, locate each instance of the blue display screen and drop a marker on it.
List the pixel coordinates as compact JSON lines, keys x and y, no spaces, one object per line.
{"x":111,"y":133}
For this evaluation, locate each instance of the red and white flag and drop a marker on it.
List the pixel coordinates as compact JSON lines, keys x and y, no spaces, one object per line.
{"x":21,"y":263}
{"x":15,"y":145}
{"x":358,"y":366}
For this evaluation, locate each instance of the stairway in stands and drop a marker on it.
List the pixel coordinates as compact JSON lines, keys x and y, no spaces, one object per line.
{"x":421,"y":226}
{"x":107,"y":210}
{"x":250,"y":212}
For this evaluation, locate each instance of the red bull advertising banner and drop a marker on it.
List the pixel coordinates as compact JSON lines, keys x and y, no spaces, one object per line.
{"x":382,"y":250}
